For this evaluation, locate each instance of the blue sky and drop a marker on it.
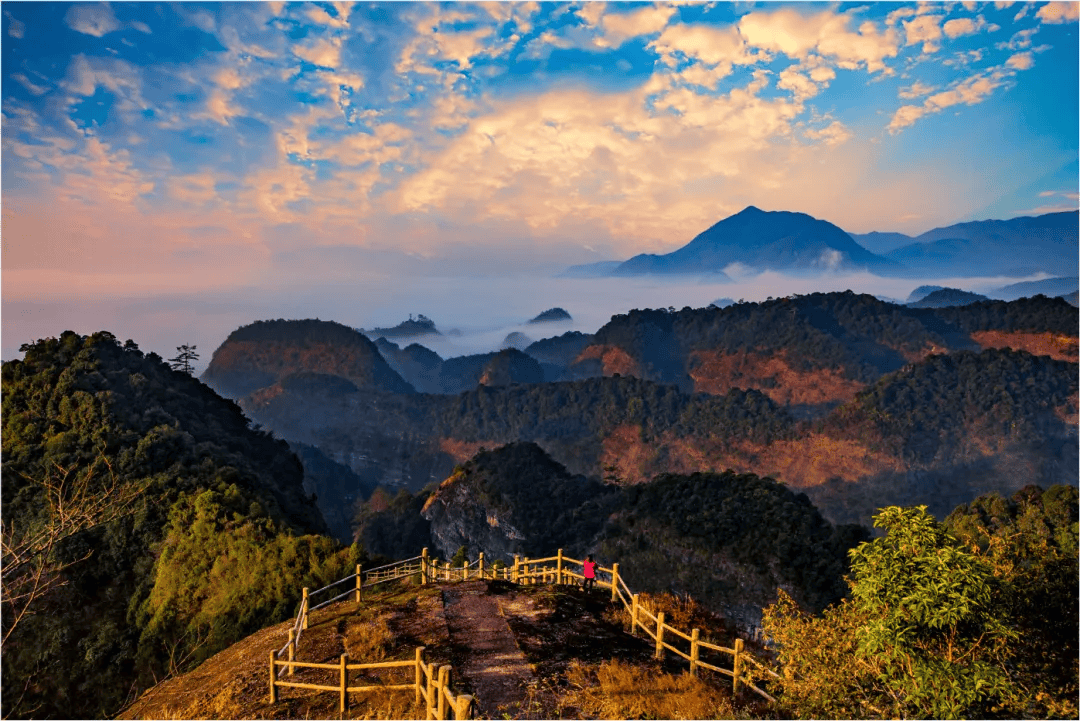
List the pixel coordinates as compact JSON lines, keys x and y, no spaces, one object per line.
{"x":190,"y":148}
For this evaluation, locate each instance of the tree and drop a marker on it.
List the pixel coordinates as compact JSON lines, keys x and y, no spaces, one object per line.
{"x":923,"y":633}
{"x":461,"y":558}
{"x":74,"y":501}
{"x":186,"y":355}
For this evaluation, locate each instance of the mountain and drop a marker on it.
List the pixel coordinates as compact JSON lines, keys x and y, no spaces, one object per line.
{"x":154,"y":514}
{"x":1016,"y":247}
{"x":259,"y":355}
{"x":728,"y":540}
{"x":807,"y":352}
{"x":516,"y":339}
{"x":411,"y":328}
{"x":336,"y":488}
{"x":601,"y":269}
{"x":516,"y":500}
{"x":418,"y":365}
{"x":922,"y":291}
{"x":762,"y":240}
{"x":509,"y":367}
{"x":1049,"y":286}
{"x":881,"y":243}
{"x":946,"y":297}
{"x":552,"y":315}
{"x":722,"y":388}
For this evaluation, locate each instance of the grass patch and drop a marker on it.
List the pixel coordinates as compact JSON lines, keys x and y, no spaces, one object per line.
{"x":618,"y":690}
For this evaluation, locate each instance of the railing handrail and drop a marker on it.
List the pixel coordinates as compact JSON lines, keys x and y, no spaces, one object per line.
{"x":431,"y":570}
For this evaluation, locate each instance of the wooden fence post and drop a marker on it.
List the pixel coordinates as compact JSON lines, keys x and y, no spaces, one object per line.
{"x":738,"y":667}
{"x":514,"y":573}
{"x":292,"y":649}
{"x":423,"y":566}
{"x":430,"y":671}
{"x":660,"y":635}
{"x":633,"y":615}
{"x":695,"y":652}
{"x":273,"y":686}
{"x":359,"y":585}
{"x":558,"y":569}
{"x":614,"y":582}
{"x":304,"y":608}
{"x":462,"y":707}
{"x":344,"y":682}
{"x":442,"y":688}
{"x":525,"y":566}
{"x":480,"y":564}
{"x":419,"y":671}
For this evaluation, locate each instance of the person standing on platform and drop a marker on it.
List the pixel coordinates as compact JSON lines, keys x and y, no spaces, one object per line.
{"x":590,"y":573}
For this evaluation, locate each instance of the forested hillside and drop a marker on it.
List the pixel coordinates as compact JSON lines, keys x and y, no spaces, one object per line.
{"x":146,"y":526}
{"x":726,"y":539}
{"x":260,"y":354}
{"x":940,"y":431}
{"x":813,"y":350}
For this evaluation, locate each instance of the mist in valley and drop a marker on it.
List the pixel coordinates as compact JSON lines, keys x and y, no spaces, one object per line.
{"x":474,"y":314}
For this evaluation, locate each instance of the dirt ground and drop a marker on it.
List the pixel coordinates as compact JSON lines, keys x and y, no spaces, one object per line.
{"x":509,"y":647}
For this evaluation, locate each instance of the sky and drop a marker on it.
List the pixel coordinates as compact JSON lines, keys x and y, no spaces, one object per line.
{"x":174,"y":170}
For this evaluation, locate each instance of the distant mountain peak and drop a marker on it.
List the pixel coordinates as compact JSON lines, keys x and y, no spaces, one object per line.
{"x":776,"y":240}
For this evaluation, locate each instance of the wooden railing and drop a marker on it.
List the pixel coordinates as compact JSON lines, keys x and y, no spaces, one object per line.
{"x":434,"y":686}
{"x":745,"y":668}
{"x":431,"y":684}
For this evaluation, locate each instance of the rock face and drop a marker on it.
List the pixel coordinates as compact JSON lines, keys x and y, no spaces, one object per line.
{"x":261,"y":354}
{"x":515,"y":499}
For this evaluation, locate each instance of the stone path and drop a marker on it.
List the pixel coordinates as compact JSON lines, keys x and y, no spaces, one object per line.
{"x":492,"y":664}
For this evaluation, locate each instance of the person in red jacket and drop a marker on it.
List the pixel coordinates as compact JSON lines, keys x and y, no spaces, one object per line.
{"x":590,"y":573}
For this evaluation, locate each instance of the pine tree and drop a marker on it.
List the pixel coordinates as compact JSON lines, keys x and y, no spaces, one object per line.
{"x":186,"y":355}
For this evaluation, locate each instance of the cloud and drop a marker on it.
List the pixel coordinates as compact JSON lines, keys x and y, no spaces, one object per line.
{"x":85,"y":74}
{"x":31,"y":88}
{"x":16,"y":28}
{"x":800,"y":85}
{"x":219,"y":107}
{"x":966,"y":26}
{"x":317,"y":15}
{"x":617,"y":28}
{"x":324,"y":52}
{"x":571,"y":36}
{"x":915,"y":90}
{"x":925,"y":29}
{"x":140,"y":26}
{"x":712,"y":45}
{"x":1054,"y":13}
{"x":1021,"y":61}
{"x":91,"y":19}
{"x":519,"y":13}
{"x":797,"y":34}
{"x":637,"y":164}
{"x":833,"y":134}
{"x":1021,"y":39}
{"x":970,"y":91}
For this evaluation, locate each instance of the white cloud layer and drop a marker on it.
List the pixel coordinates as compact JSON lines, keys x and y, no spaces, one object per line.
{"x":92,"y":19}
